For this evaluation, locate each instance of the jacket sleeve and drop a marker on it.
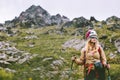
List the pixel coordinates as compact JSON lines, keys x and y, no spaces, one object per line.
{"x":82,"y":56}
{"x":103,"y":56}
{"x":80,"y":60}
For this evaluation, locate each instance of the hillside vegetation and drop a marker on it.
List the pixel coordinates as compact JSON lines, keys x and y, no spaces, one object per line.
{"x":53,"y":62}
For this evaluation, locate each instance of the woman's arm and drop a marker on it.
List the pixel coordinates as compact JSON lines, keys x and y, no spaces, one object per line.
{"x":80,"y":60}
{"x":103,"y":56}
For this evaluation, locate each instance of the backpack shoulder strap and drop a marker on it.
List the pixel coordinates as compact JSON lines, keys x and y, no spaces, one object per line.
{"x":99,"y":50}
{"x":84,"y":61}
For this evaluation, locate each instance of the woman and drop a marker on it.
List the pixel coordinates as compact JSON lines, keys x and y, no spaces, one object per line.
{"x":93,"y":58}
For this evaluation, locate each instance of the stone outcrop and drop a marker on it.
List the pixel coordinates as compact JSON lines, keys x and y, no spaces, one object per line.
{"x":112,"y":20}
{"x":92,"y":19}
{"x":80,"y":22}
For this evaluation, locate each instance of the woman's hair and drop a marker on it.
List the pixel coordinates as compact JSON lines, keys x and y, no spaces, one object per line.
{"x":89,"y":43}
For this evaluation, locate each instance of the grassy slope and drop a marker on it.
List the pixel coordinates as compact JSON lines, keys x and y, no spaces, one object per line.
{"x":50,"y":45}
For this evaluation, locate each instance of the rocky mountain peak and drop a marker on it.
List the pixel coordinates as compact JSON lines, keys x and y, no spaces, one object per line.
{"x":33,"y":13}
{"x":92,"y":18}
{"x":37,"y":9}
{"x":36,"y":16}
{"x":34,"y":8}
{"x":113,"y":18}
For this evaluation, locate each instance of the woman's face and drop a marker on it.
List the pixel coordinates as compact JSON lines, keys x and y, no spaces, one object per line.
{"x":93,"y":40}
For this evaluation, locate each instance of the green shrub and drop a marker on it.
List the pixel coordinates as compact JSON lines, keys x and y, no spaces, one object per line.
{"x":5,"y":75}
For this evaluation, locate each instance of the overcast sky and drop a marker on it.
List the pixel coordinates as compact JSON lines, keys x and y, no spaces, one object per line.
{"x":100,"y":9}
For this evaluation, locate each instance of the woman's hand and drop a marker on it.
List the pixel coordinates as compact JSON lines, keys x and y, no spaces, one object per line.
{"x":106,"y":65}
{"x":73,"y":58}
{"x":77,"y":60}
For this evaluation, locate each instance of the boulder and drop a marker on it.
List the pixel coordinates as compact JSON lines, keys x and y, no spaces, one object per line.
{"x":74,"y":43}
{"x":117,"y":44}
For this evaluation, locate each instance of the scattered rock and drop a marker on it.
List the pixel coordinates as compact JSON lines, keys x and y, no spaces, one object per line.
{"x":10,"y":54}
{"x":56,"y":64}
